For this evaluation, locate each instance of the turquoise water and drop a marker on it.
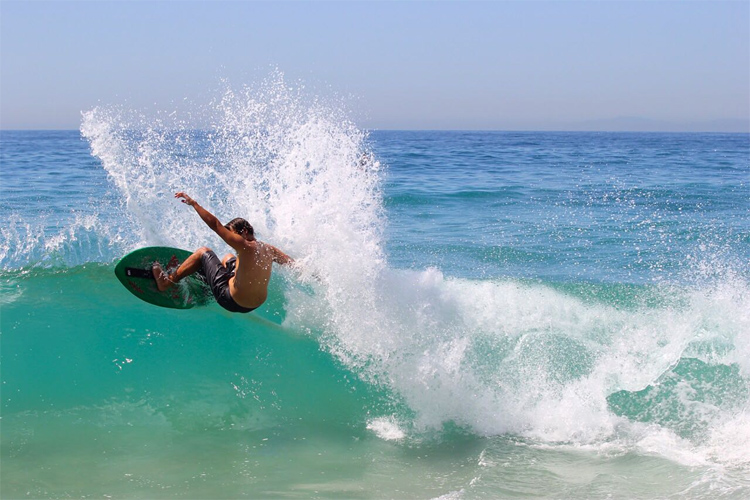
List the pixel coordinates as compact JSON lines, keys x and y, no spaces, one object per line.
{"x":497,"y":315}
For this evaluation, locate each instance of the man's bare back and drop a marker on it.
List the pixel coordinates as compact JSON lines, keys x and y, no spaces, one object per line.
{"x":239,"y":283}
{"x":249,"y":285}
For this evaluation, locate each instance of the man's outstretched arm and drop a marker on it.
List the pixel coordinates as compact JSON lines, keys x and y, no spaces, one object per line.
{"x":234,"y":240}
{"x":280,"y":257}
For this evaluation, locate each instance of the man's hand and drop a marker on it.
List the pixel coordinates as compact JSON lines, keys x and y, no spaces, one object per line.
{"x":234,"y":240}
{"x":185,"y":198}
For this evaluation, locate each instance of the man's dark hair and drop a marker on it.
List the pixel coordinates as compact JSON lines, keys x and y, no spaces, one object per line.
{"x":238,"y":225}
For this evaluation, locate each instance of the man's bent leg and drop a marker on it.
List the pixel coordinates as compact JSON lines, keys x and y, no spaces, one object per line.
{"x":191,"y":265}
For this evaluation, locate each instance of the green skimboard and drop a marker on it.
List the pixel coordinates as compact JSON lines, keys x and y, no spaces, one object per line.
{"x":134,"y":272}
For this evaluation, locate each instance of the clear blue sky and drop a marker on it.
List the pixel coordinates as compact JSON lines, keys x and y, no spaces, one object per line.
{"x":409,"y":65}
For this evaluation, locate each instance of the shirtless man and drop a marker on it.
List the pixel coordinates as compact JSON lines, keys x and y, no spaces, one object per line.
{"x":239,"y":283}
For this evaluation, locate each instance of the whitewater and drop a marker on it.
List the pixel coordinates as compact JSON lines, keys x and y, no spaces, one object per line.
{"x":475,"y":314}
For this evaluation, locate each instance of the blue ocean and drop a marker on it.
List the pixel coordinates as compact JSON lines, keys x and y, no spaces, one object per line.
{"x":475,"y":314}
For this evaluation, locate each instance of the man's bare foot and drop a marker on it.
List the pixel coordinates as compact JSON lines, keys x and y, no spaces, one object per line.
{"x":162,"y":279}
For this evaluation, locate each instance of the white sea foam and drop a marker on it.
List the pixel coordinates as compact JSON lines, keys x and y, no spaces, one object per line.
{"x":386,"y":428}
{"x":84,"y":239}
{"x":503,"y":357}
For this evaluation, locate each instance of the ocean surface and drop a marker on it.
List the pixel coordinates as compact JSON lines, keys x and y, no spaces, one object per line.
{"x":495,"y":314}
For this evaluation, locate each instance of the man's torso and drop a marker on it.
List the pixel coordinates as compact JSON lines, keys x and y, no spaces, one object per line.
{"x":249,"y":286}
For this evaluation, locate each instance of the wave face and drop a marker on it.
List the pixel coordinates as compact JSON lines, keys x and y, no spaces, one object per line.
{"x":487,"y":300}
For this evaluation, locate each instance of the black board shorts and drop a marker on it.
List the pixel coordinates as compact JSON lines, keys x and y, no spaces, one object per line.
{"x":217,"y":276}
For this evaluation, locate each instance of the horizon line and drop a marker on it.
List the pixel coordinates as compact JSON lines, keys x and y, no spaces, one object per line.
{"x":486,"y":130}
{"x":558,"y":131}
